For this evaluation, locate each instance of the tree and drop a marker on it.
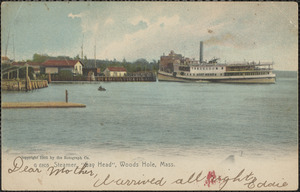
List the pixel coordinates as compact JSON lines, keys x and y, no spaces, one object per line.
{"x":124,"y":61}
{"x":39,"y":58}
{"x":142,"y":61}
{"x":77,"y":57}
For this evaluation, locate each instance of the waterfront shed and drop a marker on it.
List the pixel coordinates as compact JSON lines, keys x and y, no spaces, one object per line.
{"x":5,"y":60}
{"x":115,"y":72}
{"x":54,"y":66}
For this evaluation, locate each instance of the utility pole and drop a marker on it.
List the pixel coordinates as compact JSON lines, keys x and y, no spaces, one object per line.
{"x":26,"y":76}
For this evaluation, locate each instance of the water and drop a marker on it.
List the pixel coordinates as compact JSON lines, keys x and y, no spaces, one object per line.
{"x":159,"y":117}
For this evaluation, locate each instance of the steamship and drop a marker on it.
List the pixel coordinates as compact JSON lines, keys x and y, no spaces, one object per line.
{"x":175,"y":67}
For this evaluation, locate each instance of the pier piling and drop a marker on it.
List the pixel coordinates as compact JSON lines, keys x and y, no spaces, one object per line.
{"x":66,"y":96}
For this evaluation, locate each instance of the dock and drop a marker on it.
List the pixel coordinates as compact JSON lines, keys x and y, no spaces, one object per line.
{"x":128,"y":79}
{"x":22,"y":85}
{"x":16,"y":105}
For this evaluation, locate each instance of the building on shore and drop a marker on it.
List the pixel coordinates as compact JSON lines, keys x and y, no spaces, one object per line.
{"x":5,"y":60}
{"x":91,"y":73}
{"x":115,"y":72}
{"x":55,"y":66}
{"x":166,"y":62}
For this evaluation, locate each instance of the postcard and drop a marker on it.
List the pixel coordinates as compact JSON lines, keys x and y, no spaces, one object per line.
{"x":149,"y":96}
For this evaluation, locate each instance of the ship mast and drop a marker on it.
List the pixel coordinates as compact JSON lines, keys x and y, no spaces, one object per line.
{"x":82,"y":47}
{"x":7,"y":44}
{"x":95,"y":52}
{"x":14,"y":46}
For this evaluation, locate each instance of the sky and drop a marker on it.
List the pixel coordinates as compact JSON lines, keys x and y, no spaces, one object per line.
{"x":231,"y":31}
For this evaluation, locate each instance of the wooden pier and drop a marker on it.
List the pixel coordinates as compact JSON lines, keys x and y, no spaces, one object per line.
{"x":16,"y":105}
{"x":22,"y":85}
{"x":127,"y":79}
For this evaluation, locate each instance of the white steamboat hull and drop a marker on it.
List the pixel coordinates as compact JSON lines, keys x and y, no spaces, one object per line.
{"x":268,"y":79}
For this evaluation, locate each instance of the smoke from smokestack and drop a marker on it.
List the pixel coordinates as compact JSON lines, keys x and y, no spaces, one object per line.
{"x":231,"y":40}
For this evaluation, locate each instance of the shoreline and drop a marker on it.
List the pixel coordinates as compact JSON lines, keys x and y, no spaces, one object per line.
{"x":16,"y":105}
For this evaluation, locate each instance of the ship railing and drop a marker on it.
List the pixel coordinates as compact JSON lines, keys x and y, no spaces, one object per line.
{"x":263,"y":69}
{"x":250,"y":63}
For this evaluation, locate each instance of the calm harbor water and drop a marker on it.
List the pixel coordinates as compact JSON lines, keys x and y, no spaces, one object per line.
{"x":159,"y":117}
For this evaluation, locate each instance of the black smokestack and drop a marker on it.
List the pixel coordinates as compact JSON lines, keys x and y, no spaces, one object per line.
{"x":201,"y":52}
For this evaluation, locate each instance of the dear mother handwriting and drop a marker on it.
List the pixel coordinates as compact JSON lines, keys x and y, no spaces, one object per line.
{"x":207,"y":179}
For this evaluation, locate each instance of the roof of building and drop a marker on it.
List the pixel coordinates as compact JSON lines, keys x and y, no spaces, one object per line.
{"x":4,"y":58}
{"x":116,"y":69}
{"x":20,"y":63}
{"x":60,"y":63}
{"x":34,"y":63}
